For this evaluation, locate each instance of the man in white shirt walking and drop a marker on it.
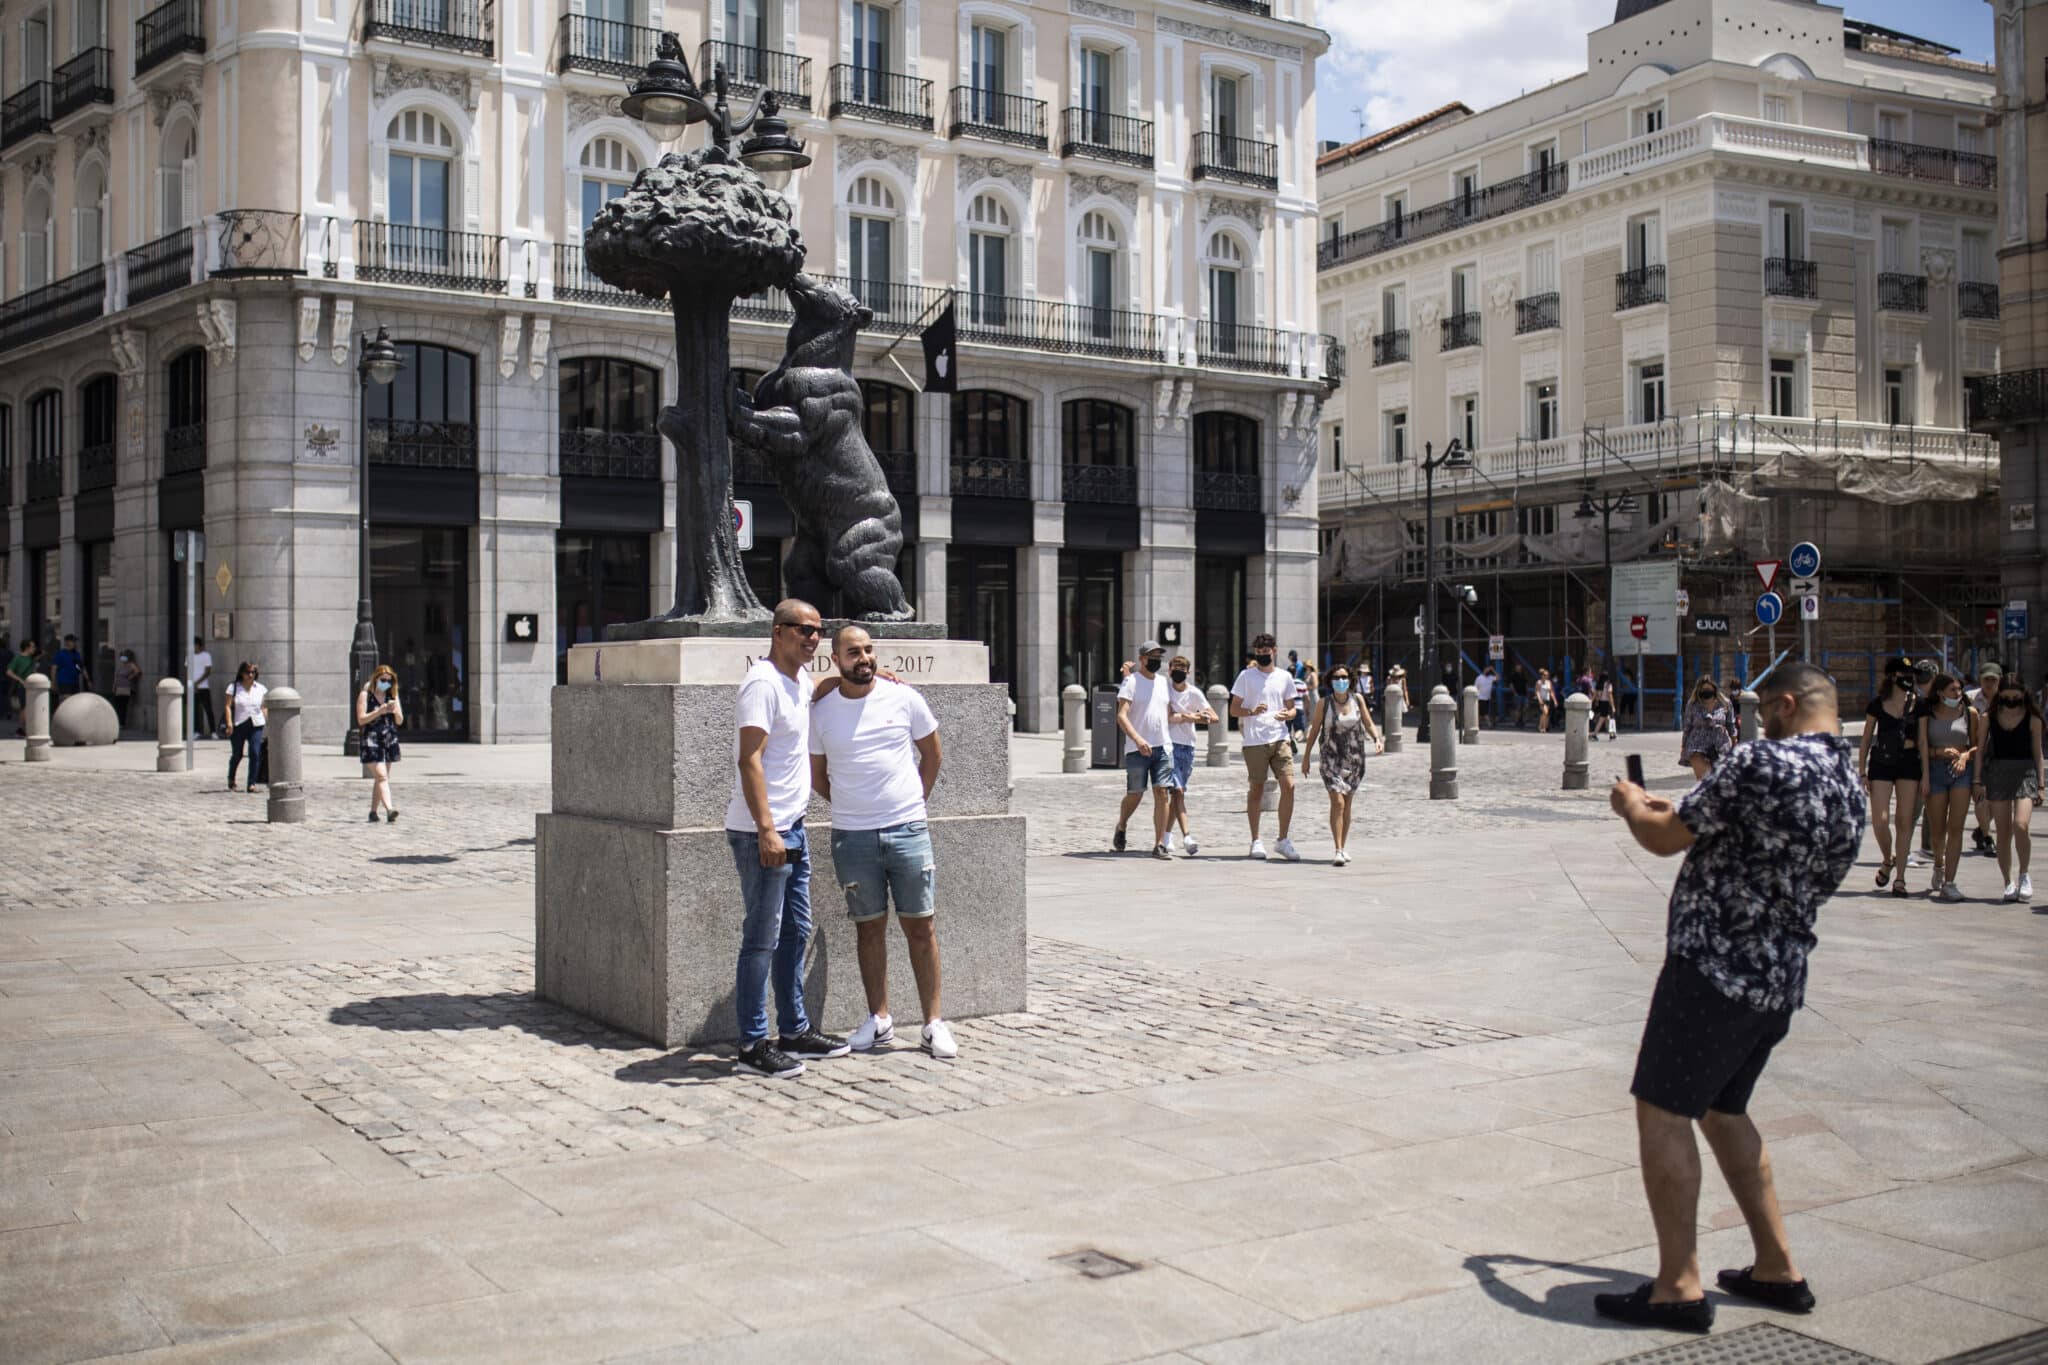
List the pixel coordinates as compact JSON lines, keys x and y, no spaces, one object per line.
{"x":1186,"y":708}
{"x":1141,"y":714}
{"x":764,"y":824}
{"x":875,"y":757}
{"x":1260,"y":704}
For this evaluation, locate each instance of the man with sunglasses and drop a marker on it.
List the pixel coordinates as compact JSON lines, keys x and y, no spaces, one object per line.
{"x":764,"y":824}
{"x":1768,"y":835}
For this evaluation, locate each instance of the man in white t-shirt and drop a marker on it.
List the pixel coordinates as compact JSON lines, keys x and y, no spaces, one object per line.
{"x":199,"y":678}
{"x":1261,"y":703}
{"x":1186,"y":708}
{"x":1141,"y":716}
{"x":880,"y":741}
{"x":764,"y":824}
{"x":1486,"y":683}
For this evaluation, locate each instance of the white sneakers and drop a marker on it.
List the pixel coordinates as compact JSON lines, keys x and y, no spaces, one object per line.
{"x":1192,"y":847}
{"x":878,"y":1029}
{"x":1285,"y":848}
{"x":2026,"y":887}
{"x":1341,"y":858}
{"x":1258,"y":849}
{"x":938,"y":1040}
{"x":1951,"y":892}
{"x":1169,"y":841}
{"x":1918,"y":859}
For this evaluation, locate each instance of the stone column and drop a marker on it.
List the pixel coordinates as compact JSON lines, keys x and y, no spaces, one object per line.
{"x":286,"y":794}
{"x":1038,"y":638}
{"x":1443,"y":745}
{"x":1391,"y":723}
{"x":1746,"y":707}
{"x":1468,"y":716}
{"x":1074,"y":700}
{"x":170,"y":726}
{"x":1219,"y":729}
{"x":1578,"y":707}
{"x":37,"y":720}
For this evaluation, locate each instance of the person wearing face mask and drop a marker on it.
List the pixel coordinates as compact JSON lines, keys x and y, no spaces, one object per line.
{"x":1141,"y":714}
{"x":1259,"y":703}
{"x":378,"y":716}
{"x":1709,"y":729}
{"x":2010,"y":778}
{"x":1186,"y":708}
{"x":1989,"y":674}
{"x":1344,"y":723}
{"x":1949,"y":736}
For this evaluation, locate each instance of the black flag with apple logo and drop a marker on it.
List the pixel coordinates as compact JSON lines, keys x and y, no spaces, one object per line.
{"x":941,"y":356}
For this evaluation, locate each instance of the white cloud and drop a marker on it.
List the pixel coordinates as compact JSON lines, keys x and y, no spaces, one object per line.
{"x":1394,"y":61}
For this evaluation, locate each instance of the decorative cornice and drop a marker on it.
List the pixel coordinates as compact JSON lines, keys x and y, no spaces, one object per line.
{"x":389,"y":78}
{"x":1081,"y":187}
{"x":1223,"y":37}
{"x":585,"y":109}
{"x":1095,"y":9}
{"x":971,"y":169}
{"x":898,"y":156}
{"x":161,"y":102}
{"x":217,"y":323}
{"x":89,"y":139}
{"x":1249,"y":211}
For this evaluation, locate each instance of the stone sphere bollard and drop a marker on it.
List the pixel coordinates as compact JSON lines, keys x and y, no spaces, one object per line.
{"x":1468,"y":716}
{"x":84,"y":718}
{"x":1219,"y":729}
{"x":36,"y":722}
{"x":170,"y":726}
{"x":1074,"y":705}
{"x":286,"y":794}
{"x":1443,"y":745}
{"x":1578,"y":710}
{"x":1746,"y":707}
{"x":1393,"y":718}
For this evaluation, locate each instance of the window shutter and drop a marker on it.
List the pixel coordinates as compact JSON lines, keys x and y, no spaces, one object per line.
{"x":188,"y":184}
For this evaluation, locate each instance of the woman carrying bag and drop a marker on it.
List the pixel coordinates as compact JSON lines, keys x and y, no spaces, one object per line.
{"x":378,"y":716}
{"x":1344,"y":724}
{"x":246,"y":715}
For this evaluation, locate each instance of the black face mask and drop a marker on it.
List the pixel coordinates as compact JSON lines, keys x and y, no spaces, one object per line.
{"x":1151,"y":665}
{"x":1179,"y":675}
{"x":1264,"y":660}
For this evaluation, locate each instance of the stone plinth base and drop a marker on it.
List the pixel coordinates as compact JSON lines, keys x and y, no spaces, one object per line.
{"x":723,"y":661}
{"x":662,"y":628}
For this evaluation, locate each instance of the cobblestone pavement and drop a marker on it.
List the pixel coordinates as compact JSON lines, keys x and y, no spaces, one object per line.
{"x":452,"y":1064}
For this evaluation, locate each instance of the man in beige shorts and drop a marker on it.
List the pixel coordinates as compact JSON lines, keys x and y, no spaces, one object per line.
{"x":1260,"y":703}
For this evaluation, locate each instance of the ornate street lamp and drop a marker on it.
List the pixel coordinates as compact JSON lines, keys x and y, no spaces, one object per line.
{"x":1456,"y":459}
{"x":377,"y":362}
{"x":1604,"y":507}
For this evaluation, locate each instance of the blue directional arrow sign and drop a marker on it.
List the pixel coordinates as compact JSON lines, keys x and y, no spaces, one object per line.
{"x":1804,"y":561}
{"x":1769,"y":608}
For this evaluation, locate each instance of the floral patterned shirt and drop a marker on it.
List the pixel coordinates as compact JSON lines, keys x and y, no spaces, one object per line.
{"x":1776,"y":826}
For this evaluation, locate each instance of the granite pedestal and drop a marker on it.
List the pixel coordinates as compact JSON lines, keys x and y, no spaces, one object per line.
{"x":637,"y":910}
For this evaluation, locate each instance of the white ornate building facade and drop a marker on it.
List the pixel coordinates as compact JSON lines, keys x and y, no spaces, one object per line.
{"x":203,"y":204}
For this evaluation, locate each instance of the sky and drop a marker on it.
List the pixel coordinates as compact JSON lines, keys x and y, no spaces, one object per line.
{"x":1390,"y":60}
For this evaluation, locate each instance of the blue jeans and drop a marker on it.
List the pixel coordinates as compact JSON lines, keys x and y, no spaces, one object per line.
{"x":248,"y":734}
{"x":1183,"y":765}
{"x":877,"y":865}
{"x":777,"y":930}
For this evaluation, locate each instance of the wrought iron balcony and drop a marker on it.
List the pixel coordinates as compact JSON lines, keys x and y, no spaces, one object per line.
{"x":452,"y":25}
{"x":575,"y":282}
{"x":991,"y":476}
{"x":1390,"y":348}
{"x":1239,"y":346}
{"x":1334,"y":359}
{"x":1938,"y":165}
{"x":156,"y":268}
{"x":1062,"y":328}
{"x":1244,"y":6}
{"x":1974,"y":300}
{"x":604,"y":46}
{"x":1228,"y":491}
{"x":96,"y":466}
{"x":1509,"y":196}
{"x":2008,"y":399}
{"x":259,"y":243}
{"x":1458,"y":331}
{"x":433,"y":258}
{"x":421,"y":445}
{"x":880,"y":97}
{"x":1787,"y":278}
{"x":45,"y":479}
{"x":185,"y":448}
{"x":897,"y":307}
{"x":1236,"y":161}
{"x":995,"y":117}
{"x":754,"y":68}
{"x":1638,"y":288}
{"x":24,"y":114}
{"x":611,"y":454}
{"x":82,"y":82}
{"x":1106,"y":137}
{"x":1902,"y":293}
{"x":71,"y":302}
{"x":167,"y":31}
{"x":1110,"y":483}
{"x":899,"y":467}
{"x":1538,"y":313}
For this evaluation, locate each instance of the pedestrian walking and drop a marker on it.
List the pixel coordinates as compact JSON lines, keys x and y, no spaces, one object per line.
{"x":2010,"y":778}
{"x":247,"y":711}
{"x":1603,"y":707}
{"x":1709,"y":729}
{"x":1988,"y":676}
{"x":1186,"y":708}
{"x":1546,"y":700}
{"x":1259,"y":703}
{"x":18,"y":669}
{"x":1300,"y":699}
{"x":1141,"y":717}
{"x":1486,"y":683}
{"x":67,"y":670}
{"x":199,"y":677}
{"x":874,"y":746}
{"x":1890,"y":764}
{"x":1344,"y":723}
{"x":764,"y":827}
{"x":1924,"y":674}
{"x":1397,"y":678}
{"x":127,"y":677}
{"x":1949,"y":735}
{"x":379,"y":714}
{"x":1767,"y":837}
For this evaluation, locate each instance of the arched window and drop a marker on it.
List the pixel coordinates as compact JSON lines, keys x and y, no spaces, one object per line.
{"x":990,"y":456}
{"x":185,"y":412}
{"x":1222,"y":271}
{"x":608,"y":167}
{"x":46,"y":445}
{"x":426,"y":417}
{"x":1096,"y":452}
{"x":607,"y":419}
{"x":988,"y":260}
{"x":421,"y":189}
{"x":177,"y":177}
{"x":1227,"y":462}
{"x":871,"y":244}
{"x":1102,"y":274}
{"x":888,"y":420}
{"x":99,"y":400}
{"x":36,"y":246}
{"x":90,"y":215}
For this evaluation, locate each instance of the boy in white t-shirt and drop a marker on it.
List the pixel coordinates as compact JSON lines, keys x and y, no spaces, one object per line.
{"x":1186,"y":708}
{"x":1141,"y":714}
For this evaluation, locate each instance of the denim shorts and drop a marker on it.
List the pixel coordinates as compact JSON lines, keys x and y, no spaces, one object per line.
{"x":1942,"y":777}
{"x":1141,"y":772}
{"x":878,"y":865}
{"x":1183,"y":765}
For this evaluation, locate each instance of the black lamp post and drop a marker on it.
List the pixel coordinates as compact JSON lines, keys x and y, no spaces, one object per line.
{"x":1604,"y":507}
{"x":377,"y":362}
{"x":667,"y":99}
{"x":1454,"y":458}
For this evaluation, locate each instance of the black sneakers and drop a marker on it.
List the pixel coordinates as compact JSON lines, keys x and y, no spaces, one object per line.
{"x":765,"y":1059}
{"x":1119,"y":842}
{"x":1635,"y":1309}
{"x":812,"y":1044}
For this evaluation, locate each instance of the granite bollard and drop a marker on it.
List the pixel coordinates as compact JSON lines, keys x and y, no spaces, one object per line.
{"x":1074,"y":709}
{"x":1391,"y":728}
{"x":35,"y":721}
{"x":1578,"y":711}
{"x":170,"y":726}
{"x":1443,"y":745}
{"x":1219,"y":729}
{"x":1747,"y":705}
{"x":285,"y":793}
{"x":84,"y":718}
{"x":1468,"y":716}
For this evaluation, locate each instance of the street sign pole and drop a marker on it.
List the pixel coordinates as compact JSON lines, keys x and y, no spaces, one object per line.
{"x":1639,"y":684}
{"x":192,"y":628}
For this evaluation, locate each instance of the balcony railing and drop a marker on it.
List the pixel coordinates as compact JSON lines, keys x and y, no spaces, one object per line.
{"x":1902,"y":293}
{"x":1110,"y":483}
{"x":451,"y":25}
{"x":880,"y":97}
{"x":2013,"y":397}
{"x":1228,"y":491}
{"x":1390,"y":348}
{"x":1334,"y":358}
{"x":1072,"y":328}
{"x":1236,"y":161}
{"x":1494,"y":201}
{"x":167,"y":31}
{"x":1538,"y":313}
{"x":421,"y":445}
{"x":1459,"y":331}
{"x":96,"y":466}
{"x":604,"y":46}
{"x":185,"y":448}
{"x":1240,"y":346}
{"x":611,"y":454}
{"x":82,"y":82}
{"x":991,"y":476}
{"x":25,"y":113}
{"x":995,"y":117}
{"x":755,"y":68}
{"x":1939,"y":165}
{"x":1244,"y":6}
{"x":45,"y":479}
{"x":1788,"y":278}
{"x":575,"y":282}
{"x":1974,"y":300}
{"x":156,"y":268}
{"x":1638,"y":288}
{"x":433,"y":258}
{"x":71,"y":302}
{"x":1106,"y":137}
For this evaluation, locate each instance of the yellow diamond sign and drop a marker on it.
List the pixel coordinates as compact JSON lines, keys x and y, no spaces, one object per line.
{"x":222,"y":578}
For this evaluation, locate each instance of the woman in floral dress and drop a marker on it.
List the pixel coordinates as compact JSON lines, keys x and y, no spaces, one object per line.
{"x":1344,"y":723}
{"x":378,"y":716}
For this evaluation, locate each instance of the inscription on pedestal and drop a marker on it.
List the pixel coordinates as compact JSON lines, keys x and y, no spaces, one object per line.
{"x":714,"y":660}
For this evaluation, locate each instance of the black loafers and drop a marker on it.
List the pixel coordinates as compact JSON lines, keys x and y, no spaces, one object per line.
{"x":1793,"y":1297}
{"x":1694,"y":1315}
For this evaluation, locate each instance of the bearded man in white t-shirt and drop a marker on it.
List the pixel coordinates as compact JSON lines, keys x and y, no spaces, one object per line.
{"x":875,"y":757}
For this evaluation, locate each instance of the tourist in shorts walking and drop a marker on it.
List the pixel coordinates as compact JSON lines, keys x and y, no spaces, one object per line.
{"x":1890,"y":762}
{"x":2010,"y":779}
{"x":880,"y":741}
{"x":1186,"y":708}
{"x":1141,"y":716}
{"x":1989,"y":675}
{"x":1949,"y":735}
{"x":1259,"y":704}
{"x":1767,"y":837}
{"x":1344,"y":723}
{"x":1546,"y":700}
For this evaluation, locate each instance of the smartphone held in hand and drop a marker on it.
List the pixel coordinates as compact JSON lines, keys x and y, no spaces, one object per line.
{"x":1635,"y":769}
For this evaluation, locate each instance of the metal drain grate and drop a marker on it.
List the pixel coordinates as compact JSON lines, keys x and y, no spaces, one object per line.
{"x":2026,"y":1350}
{"x":1758,"y":1344}
{"x":1096,"y":1265}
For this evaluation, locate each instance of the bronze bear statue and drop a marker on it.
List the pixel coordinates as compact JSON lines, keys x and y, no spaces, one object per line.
{"x":805,"y":416}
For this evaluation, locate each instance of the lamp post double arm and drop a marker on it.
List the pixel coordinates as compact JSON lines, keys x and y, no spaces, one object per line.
{"x":667,"y":99}
{"x":1454,"y":458}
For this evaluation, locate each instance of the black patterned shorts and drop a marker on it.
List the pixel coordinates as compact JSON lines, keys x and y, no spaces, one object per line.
{"x":1702,"y":1050}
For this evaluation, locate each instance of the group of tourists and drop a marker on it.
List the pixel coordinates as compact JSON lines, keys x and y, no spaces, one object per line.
{"x":66,"y":669}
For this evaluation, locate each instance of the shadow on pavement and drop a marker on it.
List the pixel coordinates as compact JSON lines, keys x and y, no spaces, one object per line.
{"x":1562,"y":1303}
{"x":416,"y":859}
{"x":501,"y":1009}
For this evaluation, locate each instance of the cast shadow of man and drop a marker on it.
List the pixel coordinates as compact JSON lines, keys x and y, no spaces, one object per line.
{"x":1569,"y":1303}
